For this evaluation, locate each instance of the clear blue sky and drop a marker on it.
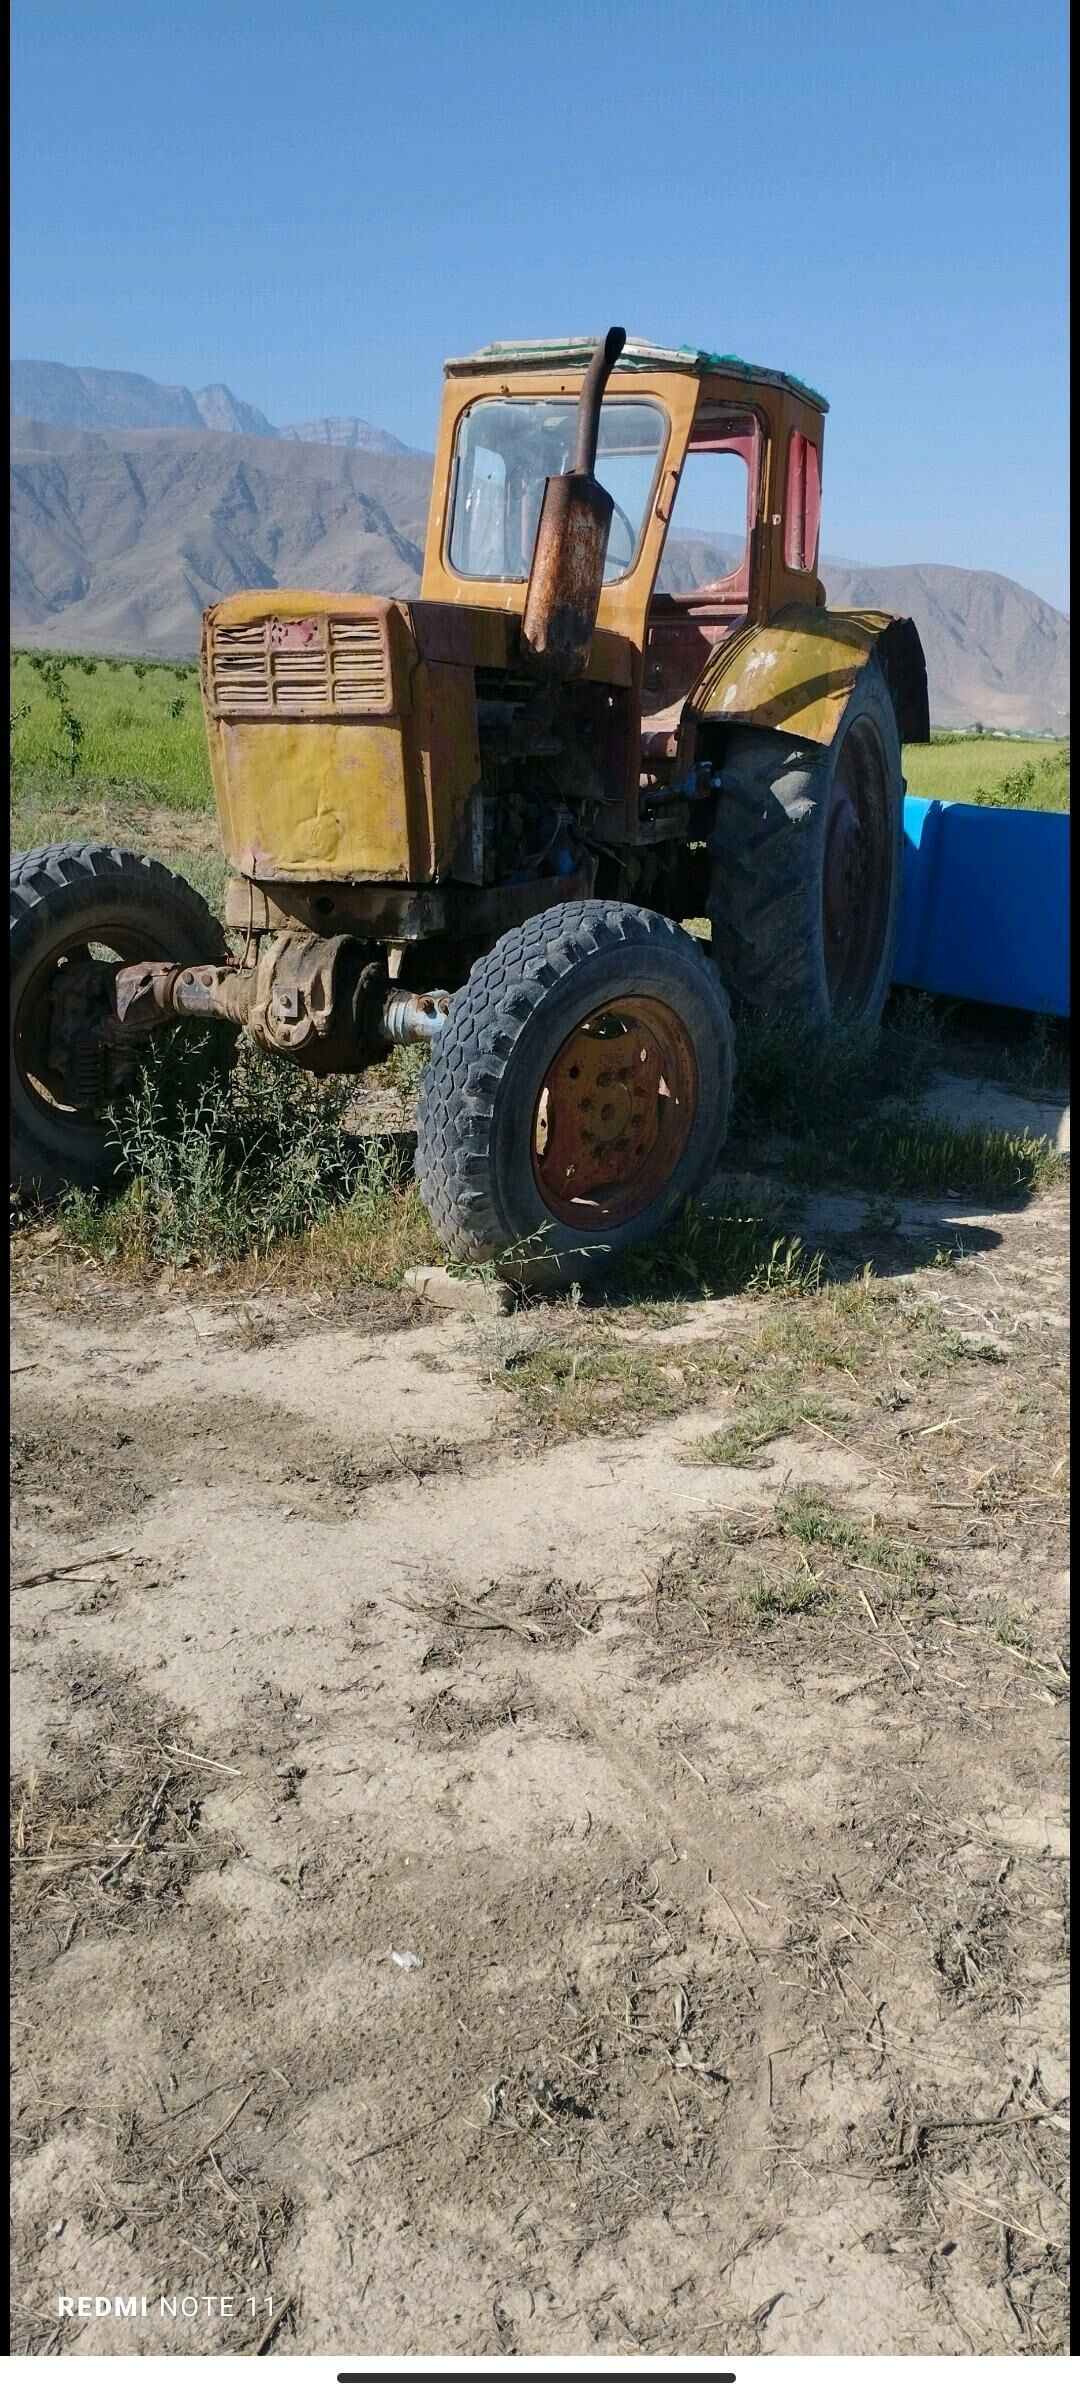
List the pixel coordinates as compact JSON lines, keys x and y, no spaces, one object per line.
{"x":316,"y":201}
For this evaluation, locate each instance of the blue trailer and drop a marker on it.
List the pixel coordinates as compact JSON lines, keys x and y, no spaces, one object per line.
{"x":985,"y":907}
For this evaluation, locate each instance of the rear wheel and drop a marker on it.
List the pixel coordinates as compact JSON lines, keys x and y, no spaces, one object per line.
{"x":579,"y":1093}
{"x":806,"y":864}
{"x":77,"y":911}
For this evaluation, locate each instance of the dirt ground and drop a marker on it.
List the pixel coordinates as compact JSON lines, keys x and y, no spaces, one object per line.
{"x":500,"y":1889}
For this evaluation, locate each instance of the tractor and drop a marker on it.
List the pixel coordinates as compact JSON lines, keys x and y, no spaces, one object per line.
{"x":484,"y":819}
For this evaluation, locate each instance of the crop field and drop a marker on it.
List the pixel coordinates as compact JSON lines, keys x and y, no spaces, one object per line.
{"x":119,"y":722}
{"x":995,"y":771}
{"x":539,"y":1833}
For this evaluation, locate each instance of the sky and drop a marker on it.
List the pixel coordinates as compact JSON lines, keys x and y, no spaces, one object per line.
{"x":316,"y":204}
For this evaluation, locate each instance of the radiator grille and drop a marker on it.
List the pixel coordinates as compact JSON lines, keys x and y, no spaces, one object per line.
{"x":305,"y":667}
{"x":239,"y":674}
{"x":358,"y":663}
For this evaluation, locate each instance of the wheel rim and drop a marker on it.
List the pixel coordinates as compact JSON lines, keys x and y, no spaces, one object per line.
{"x":614,"y":1113}
{"x":42,"y":1077}
{"x":858,"y":871}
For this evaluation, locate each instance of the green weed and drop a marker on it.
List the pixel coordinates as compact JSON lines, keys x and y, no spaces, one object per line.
{"x":224,"y":1163}
{"x":1039,"y":784}
{"x":816,"y":1524}
{"x":960,"y":1347}
{"x":585,"y":1382}
{"x":794,"y":1079}
{"x":1008,"y":1626}
{"x":775,"y":1407}
{"x":906,"y":1153}
{"x":47,"y":807}
{"x":794,"y":1595}
{"x":709,"y":1256}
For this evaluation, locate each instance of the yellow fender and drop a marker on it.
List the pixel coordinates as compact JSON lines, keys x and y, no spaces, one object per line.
{"x":796,"y":673}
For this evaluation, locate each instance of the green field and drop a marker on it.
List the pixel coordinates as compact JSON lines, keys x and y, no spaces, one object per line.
{"x":110,"y":721}
{"x":115,"y":748}
{"x":997,"y":772}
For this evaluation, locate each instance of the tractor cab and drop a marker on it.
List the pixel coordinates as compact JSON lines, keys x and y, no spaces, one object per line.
{"x":714,"y":472}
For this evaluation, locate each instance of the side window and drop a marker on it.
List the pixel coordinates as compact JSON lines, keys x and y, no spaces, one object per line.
{"x":482,"y":533}
{"x":802,"y":510}
{"x":708,"y":536}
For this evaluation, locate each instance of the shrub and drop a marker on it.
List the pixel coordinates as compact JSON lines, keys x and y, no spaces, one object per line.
{"x":220,"y":1157}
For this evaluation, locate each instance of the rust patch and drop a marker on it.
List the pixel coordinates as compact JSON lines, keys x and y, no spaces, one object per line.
{"x":615,"y":1113}
{"x":567,"y":575}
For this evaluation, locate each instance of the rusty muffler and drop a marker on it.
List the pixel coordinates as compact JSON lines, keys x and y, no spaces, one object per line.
{"x":567,"y":575}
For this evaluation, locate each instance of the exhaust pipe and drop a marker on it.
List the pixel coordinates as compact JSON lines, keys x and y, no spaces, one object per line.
{"x":567,"y":574}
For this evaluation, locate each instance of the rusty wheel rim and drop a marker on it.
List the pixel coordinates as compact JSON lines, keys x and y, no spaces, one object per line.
{"x":614,"y":1113}
{"x":858,"y":871}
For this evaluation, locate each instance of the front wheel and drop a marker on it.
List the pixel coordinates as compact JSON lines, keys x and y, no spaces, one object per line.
{"x":579,"y":1094}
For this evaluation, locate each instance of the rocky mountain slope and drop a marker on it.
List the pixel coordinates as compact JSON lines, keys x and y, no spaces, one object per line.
{"x":120,"y":540}
{"x":121,"y":536}
{"x":57,"y":395}
{"x":349,"y":433}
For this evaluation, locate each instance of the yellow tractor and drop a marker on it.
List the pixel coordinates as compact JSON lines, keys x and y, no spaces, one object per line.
{"x":481,"y":819}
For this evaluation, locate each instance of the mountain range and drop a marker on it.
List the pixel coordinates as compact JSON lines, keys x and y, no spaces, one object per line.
{"x":136,"y":504}
{"x":59,"y":395}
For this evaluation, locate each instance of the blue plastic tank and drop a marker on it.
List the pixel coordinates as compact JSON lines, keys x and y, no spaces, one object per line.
{"x":985,"y":908}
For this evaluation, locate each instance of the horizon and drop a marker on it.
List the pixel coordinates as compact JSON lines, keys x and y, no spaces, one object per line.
{"x":897,"y":252}
{"x":687,"y":533}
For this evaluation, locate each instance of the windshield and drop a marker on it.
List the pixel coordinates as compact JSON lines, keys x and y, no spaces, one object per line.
{"x":504,"y":453}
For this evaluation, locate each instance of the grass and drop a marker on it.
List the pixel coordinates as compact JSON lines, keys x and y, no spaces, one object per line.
{"x":1032,"y":1055}
{"x":139,"y":728}
{"x":43,"y":810}
{"x":793,"y":1595}
{"x":586,"y":1382}
{"x":839,"y":1363}
{"x":815,"y":1524}
{"x":993,"y":772}
{"x":906,"y":1154}
{"x":223,"y":1163}
{"x":791,"y":1080}
{"x":808,"y":1356}
{"x":113,"y":750}
{"x":964,"y":1346}
{"x":708,"y":1256}
{"x":809,"y":1559}
{"x":778,"y":1405}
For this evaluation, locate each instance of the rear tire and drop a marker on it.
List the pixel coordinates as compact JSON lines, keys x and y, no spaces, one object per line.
{"x":807,"y":851}
{"x":65,"y":900}
{"x":579,"y":1094}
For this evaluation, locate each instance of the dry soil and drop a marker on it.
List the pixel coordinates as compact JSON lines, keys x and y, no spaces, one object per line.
{"x":493,"y":1892}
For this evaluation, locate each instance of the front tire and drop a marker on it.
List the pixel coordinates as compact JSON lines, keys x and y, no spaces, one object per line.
{"x":68,"y":902}
{"x":579,"y":1094}
{"x":806,"y":859}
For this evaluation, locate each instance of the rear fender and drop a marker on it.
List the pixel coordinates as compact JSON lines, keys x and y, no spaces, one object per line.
{"x":796,"y":674}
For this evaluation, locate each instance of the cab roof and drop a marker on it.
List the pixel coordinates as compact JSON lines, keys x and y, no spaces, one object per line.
{"x":638,"y":357}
